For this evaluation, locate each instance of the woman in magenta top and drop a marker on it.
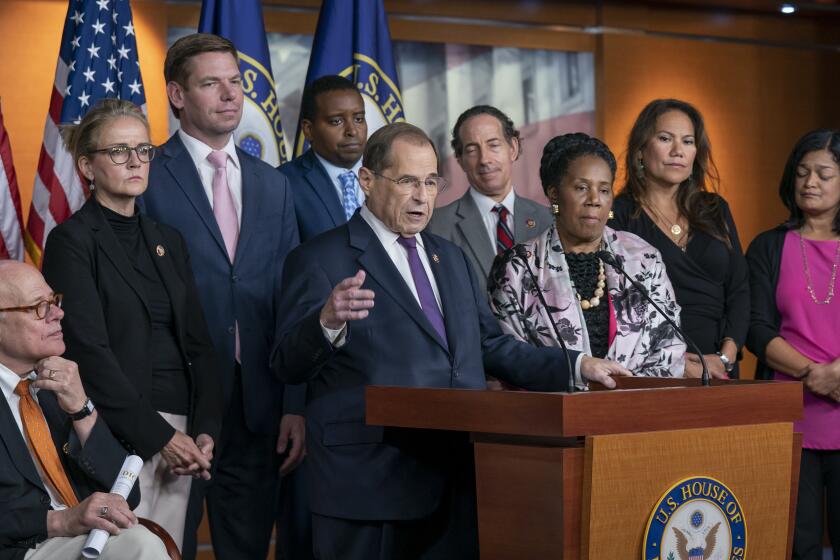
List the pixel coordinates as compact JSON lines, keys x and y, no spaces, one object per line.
{"x":795,"y":324}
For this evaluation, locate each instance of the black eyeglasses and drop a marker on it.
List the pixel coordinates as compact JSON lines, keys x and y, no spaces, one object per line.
{"x":432,"y":183}
{"x":42,"y":308}
{"x":121,"y":153}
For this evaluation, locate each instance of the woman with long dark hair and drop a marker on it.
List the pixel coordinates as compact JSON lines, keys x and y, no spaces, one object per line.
{"x":670,"y":200}
{"x":794,"y":323}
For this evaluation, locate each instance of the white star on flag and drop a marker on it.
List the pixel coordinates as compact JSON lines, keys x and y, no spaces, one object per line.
{"x":108,"y":85}
{"x":98,"y":28}
{"x":112,"y":62}
{"x":84,"y":99}
{"x":94,"y":51}
{"x":135,"y":87}
{"x":103,"y":4}
{"x":89,"y":74}
{"x":129,"y":29}
{"x":75,"y":42}
{"x":79,"y":18}
{"x":123,"y":52}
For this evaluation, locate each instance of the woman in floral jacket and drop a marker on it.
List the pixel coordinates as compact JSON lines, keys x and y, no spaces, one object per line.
{"x":596,"y":309}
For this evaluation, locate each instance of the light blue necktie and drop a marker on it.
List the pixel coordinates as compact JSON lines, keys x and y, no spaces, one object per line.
{"x":348,"y":193}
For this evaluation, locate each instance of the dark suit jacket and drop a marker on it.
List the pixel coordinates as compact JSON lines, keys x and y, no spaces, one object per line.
{"x":461,"y":223}
{"x":366,"y":472}
{"x":246,"y":291}
{"x":108,"y":328}
{"x":24,"y":501}
{"x":317,"y":205}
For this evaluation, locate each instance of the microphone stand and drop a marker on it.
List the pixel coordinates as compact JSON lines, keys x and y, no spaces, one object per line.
{"x":522,"y":253}
{"x":610,"y":259}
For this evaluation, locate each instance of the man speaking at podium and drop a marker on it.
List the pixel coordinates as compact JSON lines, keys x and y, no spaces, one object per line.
{"x":377,"y":302}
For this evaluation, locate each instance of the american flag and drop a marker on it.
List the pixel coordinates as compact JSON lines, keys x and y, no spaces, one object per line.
{"x":11,"y":219}
{"x":97,"y":59}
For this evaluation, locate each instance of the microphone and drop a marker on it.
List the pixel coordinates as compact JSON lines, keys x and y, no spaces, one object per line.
{"x":522,"y":253}
{"x":610,"y":259}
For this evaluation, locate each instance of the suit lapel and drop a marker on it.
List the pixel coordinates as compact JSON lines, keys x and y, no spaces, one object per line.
{"x":182,"y":170}
{"x":252,"y":203}
{"x":321,"y":183}
{"x":526,"y":221}
{"x":446,"y":289}
{"x":471,"y":225}
{"x":108,"y":243}
{"x":162,"y":257}
{"x":376,"y":262}
{"x":16,"y":446}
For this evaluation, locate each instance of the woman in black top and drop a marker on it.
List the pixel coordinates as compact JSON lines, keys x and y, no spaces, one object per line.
{"x":670,"y":200}
{"x":132,"y":318}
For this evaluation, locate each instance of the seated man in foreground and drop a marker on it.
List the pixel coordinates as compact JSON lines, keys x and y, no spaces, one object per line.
{"x":58,"y":459}
{"x":396,"y":494}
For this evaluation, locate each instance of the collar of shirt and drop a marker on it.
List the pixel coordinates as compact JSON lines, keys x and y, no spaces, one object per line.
{"x":9,"y":381}
{"x":387,"y":237}
{"x":486,"y":204}
{"x":489,"y":218}
{"x":199,"y":151}
{"x":333,"y":172}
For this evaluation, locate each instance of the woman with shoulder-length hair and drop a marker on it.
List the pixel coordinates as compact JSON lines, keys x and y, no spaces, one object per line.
{"x":597,"y":311}
{"x":132,"y":319}
{"x":794,"y":323}
{"x":670,"y":200}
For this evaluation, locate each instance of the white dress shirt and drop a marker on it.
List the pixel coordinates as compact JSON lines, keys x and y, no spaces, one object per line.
{"x":8,"y":382}
{"x":199,"y":151}
{"x":491,"y":219}
{"x":333,"y":171}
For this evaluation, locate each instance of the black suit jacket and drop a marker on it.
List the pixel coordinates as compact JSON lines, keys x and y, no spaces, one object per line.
{"x":359,"y":471}
{"x":24,"y":501}
{"x":317,"y":205}
{"x":107,"y":326}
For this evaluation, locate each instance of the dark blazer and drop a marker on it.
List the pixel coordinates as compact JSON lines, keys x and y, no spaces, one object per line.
{"x":461,"y":223}
{"x":367,"y":472}
{"x":246,"y":291}
{"x":108,"y":328}
{"x":317,"y":205}
{"x":24,"y":501}
{"x":764,"y":257}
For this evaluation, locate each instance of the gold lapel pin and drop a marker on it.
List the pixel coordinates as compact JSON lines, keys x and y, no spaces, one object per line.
{"x":611,"y":215}
{"x":531,"y":223}
{"x":435,"y":257}
{"x":160,"y":250}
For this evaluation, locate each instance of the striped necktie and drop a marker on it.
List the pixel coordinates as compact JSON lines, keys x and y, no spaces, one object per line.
{"x":504,"y":237}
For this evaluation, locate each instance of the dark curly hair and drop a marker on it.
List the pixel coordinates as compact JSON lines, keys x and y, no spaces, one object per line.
{"x":562,"y":150}
{"x":816,"y":140}
{"x":508,"y":129}
{"x":697,"y":198}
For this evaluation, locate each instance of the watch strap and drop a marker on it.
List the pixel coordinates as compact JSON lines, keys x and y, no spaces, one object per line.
{"x":87,"y":410}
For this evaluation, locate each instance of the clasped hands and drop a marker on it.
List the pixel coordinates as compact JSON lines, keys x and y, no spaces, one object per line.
{"x":187,"y":457}
{"x":823,"y":379}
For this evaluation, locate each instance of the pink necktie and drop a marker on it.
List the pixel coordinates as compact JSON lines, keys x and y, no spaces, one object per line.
{"x":225,"y":213}
{"x":223,"y":207}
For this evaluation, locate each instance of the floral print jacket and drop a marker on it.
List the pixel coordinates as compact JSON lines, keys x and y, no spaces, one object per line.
{"x":644,"y":342}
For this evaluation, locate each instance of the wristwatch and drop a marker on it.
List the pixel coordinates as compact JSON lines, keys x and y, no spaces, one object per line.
{"x":87,"y":410}
{"x":727,"y":365}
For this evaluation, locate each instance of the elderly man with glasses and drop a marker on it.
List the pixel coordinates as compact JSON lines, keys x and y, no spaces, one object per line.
{"x":58,"y":457}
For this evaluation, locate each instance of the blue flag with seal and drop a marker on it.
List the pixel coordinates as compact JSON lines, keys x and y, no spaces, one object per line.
{"x":352,"y":40}
{"x":260,"y":133}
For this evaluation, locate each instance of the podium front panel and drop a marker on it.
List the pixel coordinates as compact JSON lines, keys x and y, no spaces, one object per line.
{"x":626,"y":475}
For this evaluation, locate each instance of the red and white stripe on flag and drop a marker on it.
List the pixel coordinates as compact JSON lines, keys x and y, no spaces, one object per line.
{"x":11,"y":218}
{"x":97,"y":59}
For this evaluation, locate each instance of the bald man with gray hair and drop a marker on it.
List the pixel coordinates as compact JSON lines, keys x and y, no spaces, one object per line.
{"x":58,"y":458}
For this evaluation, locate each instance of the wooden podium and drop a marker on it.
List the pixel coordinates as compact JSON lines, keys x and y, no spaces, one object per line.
{"x":576,"y":476}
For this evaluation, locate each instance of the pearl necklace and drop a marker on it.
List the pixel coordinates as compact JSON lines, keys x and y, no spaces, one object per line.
{"x":813,"y":295}
{"x":595,"y":300}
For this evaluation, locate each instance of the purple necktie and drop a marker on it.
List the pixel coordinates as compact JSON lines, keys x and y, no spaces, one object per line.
{"x":428,"y":303}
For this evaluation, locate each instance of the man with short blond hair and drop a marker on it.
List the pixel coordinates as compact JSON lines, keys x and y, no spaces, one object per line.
{"x":51,"y":497}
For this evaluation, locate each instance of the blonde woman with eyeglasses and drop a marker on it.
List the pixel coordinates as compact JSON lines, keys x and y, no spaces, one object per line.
{"x":132,"y":320}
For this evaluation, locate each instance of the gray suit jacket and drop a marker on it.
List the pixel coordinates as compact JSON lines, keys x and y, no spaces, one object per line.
{"x":462,"y":224}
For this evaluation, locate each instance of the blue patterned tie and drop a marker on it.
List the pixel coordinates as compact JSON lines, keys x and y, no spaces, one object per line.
{"x":428,"y":303}
{"x":348,"y":193}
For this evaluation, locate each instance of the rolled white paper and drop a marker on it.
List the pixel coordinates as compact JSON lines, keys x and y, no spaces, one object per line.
{"x":125,"y":482}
